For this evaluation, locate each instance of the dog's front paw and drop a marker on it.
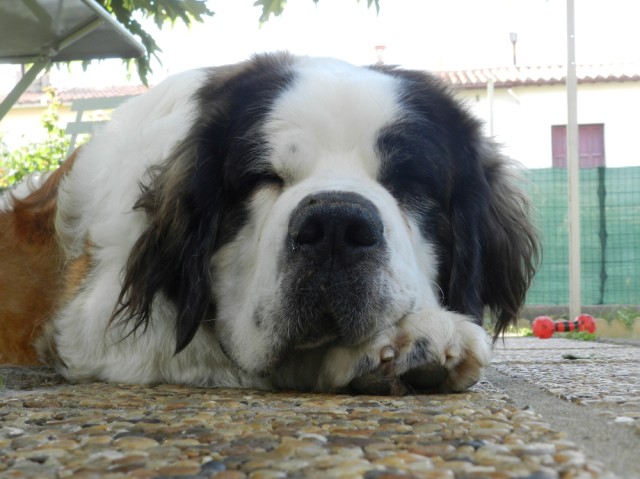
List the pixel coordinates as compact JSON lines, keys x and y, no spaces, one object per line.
{"x":435,"y":351}
{"x":441,"y":351}
{"x":372,"y":362}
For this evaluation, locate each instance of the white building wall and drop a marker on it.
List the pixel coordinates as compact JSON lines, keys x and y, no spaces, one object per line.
{"x":523,"y":117}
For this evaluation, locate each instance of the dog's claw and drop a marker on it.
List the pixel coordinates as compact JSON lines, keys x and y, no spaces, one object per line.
{"x":387,"y":354}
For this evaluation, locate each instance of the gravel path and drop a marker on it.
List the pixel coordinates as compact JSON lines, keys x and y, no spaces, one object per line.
{"x":52,"y":429}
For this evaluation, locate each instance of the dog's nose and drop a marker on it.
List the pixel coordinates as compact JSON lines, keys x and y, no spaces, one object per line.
{"x":335,"y":228}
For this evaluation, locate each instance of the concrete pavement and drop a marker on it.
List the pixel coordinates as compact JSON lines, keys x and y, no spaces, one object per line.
{"x":547,"y":409}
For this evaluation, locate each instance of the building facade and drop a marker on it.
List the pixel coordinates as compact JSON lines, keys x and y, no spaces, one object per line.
{"x":525,"y":108}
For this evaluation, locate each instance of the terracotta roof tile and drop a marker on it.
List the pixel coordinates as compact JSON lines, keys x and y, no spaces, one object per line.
{"x":71,"y":94}
{"x":552,"y":75}
{"x":504,"y":77}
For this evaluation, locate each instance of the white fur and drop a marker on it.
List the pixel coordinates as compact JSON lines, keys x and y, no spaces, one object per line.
{"x":96,"y":202}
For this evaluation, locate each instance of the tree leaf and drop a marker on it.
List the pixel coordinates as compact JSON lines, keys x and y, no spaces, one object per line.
{"x":162,"y":12}
{"x":270,"y":7}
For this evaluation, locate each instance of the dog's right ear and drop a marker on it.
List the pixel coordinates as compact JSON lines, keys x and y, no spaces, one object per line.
{"x":172,"y":256}
{"x":187,"y":194}
{"x":182,"y":198}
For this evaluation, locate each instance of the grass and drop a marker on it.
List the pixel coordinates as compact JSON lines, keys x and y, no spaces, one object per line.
{"x":513,"y":330}
{"x":524,"y":332}
{"x":580,"y":336}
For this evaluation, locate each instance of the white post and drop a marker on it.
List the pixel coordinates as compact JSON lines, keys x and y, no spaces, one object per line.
{"x":573,"y":165}
{"x":490,"y":91}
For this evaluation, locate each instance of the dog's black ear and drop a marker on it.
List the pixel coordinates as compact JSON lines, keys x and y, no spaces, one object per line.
{"x":487,"y":246}
{"x":495,"y":245}
{"x":510,"y":249}
{"x":193,"y":200}
{"x":172,"y":256}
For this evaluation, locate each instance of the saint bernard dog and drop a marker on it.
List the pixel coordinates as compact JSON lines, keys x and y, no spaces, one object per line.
{"x":283,"y":223}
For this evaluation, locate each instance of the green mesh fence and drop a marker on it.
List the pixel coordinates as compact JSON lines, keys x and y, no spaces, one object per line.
{"x":610,"y":235}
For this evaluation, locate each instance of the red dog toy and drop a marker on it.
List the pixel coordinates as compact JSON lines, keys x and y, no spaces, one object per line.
{"x":544,"y":326}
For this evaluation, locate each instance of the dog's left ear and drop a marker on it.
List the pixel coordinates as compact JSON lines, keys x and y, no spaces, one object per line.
{"x":511,"y":247}
{"x":488,"y":245}
{"x":495,"y":245}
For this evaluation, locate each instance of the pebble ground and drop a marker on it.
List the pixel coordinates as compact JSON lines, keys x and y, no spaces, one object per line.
{"x":605,"y":377}
{"x":49,"y":429}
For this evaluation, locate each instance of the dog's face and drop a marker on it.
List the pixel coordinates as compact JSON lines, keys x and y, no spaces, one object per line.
{"x":326,"y":253}
{"x":314,"y":203}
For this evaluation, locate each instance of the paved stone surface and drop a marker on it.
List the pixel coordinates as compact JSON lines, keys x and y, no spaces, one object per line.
{"x":605,"y":377}
{"x":52,"y":429}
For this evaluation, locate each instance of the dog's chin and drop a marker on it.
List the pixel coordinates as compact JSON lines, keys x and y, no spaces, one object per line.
{"x":332,"y":337}
{"x":316,"y":343}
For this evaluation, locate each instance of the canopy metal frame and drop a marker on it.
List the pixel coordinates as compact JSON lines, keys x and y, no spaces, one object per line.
{"x":68,"y":30}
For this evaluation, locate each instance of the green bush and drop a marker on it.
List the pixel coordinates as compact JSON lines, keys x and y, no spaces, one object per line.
{"x":18,"y":163}
{"x":627,"y":315}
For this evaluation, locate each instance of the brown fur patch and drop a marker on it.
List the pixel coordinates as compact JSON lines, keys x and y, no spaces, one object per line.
{"x":75,"y":272}
{"x":31,"y":269}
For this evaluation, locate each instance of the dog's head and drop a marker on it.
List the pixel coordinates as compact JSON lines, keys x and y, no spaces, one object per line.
{"x":315,"y":202}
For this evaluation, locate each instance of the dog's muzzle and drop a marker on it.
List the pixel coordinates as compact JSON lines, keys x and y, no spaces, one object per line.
{"x":332,"y":267}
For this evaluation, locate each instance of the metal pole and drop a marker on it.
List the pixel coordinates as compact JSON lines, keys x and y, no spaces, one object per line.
{"x":22,"y":85}
{"x":573,"y":165}
{"x":490,"y":90}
